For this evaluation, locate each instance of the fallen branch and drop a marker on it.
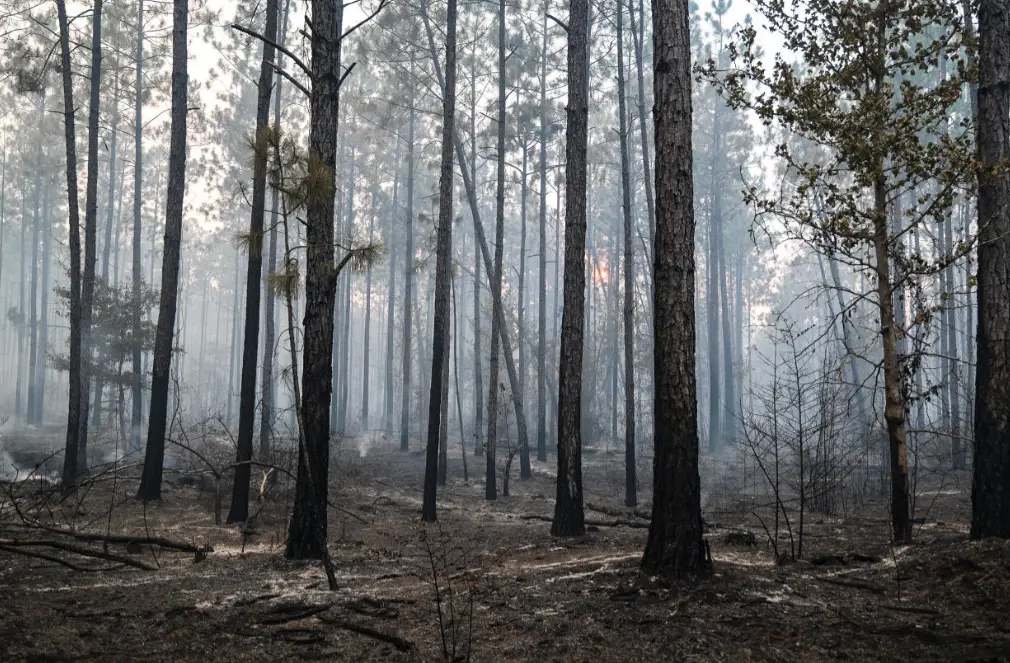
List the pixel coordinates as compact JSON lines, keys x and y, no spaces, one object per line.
{"x":126,"y":539}
{"x":912,"y":609}
{"x":395,"y":640}
{"x":856,"y":584}
{"x":51,"y":558}
{"x":18,"y":547}
{"x":590,"y":523}
{"x":290,"y":613}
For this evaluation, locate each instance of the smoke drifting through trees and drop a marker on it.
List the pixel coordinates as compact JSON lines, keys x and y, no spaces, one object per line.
{"x":693,"y":280}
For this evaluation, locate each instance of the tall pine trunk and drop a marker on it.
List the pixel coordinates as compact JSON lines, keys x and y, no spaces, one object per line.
{"x":471,"y":195}
{"x":70,"y":469}
{"x":150,"y":481}
{"x":387,"y":404}
{"x":524,"y":450}
{"x":630,"y":478}
{"x":408,"y":272}
{"x":542,"y":258}
{"x":365,"y":365}
{"x":239,"y":510}
{"x":307,"y":533}
{"x":90,"y":231}
{"x":137,"y":405}
{"x":109,"y":220}
{"x":269,"y":321}
{"x":443,"y":266}
{"x":569,"y":518}
{"x":990,"y":490}
{"x":491,"y":483}
{"x":675,"y":546}
{"x":33,"y":313}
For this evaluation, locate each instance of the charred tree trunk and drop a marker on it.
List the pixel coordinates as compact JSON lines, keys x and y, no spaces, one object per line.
{"x":569,"y":518}
{"x":478,"y":360}
{"x":990,"y":491}
{"x":238,"y":512}
{"x":70,"y":470}
{"x":542,"y":290}
{"x":408,"y":271}
{"x":138,"y":180}
{"x":471,"y":195}
{"x":443,"y":267}
{"x":491,"y":483}
{"x":307,"y":533}
{"x":675,"y":547}
{"x":150,"y":481}
{"x":90,"y":231}
{"x":630,"y":478}
{"x":524,"y":450}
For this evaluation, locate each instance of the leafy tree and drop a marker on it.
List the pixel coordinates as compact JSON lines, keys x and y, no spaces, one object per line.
{"x":861,"y":96}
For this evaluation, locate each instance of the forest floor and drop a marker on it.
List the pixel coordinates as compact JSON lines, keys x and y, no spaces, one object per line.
{"x":531,"y":597}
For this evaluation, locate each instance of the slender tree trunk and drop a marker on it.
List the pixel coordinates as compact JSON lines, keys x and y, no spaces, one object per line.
{"x":524,"y":451}
{"x":90,"y":231}
{"x":239,"y":510}
{"x":137,"y":403}
{"x":638,"y":36}
{"x":307,"y":533}
{"x":471,"y":195}
{"x":33,"y":323}
{"x":269,"y":323}
{"x":232,"y":355}
{"x":70,"y":469}
{"x":408,"y":271}
{"x":150,"y":481}
{"x":894,"y":407}
{"x":542,"y":290}
{"x":569,"y":519}
{"x":675,"y":546}
{"x":391,"y":293}
{"x":443,"y":267}
{"x":365,"y":366}
{"x":110,"y":198}
{"x":990,"y":492}
{"x":22,"y":317}
{"x":491,"y":483}
{"x":478,"y":358}
{"x":729,"y":380}
{"x":630,"y":478}
{"x":345,"y":335}
{"x":43,"y":348}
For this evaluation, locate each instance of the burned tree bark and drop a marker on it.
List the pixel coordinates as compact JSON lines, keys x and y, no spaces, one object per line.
{"x":443,"y":259}
{"x":675,"y":546}
{"x":150,"y":481}
{"x":70,"y":139}
{"x":239,"y":509}
{"x":990,"y":491}
{"x":307,"y":533}
{"x":569,"y":517}
{"x":630,"y":478}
